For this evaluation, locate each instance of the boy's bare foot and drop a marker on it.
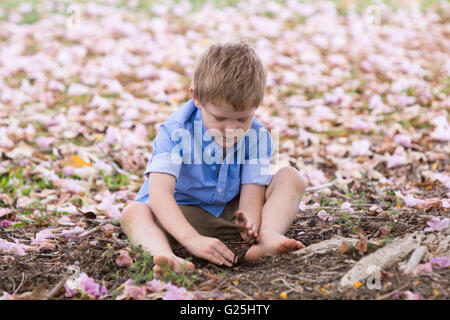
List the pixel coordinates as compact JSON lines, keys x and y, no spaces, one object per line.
{"x":174,"y":263}
{"x":272,"y":243}
{"x":246,"y":228}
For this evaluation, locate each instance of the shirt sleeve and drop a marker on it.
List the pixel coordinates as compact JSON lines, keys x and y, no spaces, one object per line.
{"x":164,"y":158}
{"x":256,"y":167}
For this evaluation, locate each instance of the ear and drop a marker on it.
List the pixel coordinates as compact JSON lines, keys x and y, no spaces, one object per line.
{"x":191,"y":92}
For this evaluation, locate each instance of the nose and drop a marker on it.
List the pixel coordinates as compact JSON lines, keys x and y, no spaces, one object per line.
{"x":235,"y":130}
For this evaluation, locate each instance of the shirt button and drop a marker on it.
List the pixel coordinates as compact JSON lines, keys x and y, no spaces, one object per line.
{"x":219,"y":190}
{"x":213,"y":167}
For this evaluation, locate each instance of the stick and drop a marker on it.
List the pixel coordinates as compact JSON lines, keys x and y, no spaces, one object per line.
{"x":242,"y":292}
{"x":57,"y":288}
{"x":21,"y":283}
{"x":86,"y":233}
{"x":391,"y":293}
{"x":415,"y":258}
{"x":296,"y":277}
{"x":319,"y":187}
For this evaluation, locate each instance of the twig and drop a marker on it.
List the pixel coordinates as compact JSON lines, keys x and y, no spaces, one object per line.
{"x":320,"y":187}
{"x":221,"y":270}
{"x":57,"y":288}
{"x":21,"y":283}
{"x":14,"y":284}
{"x":86,"y":233}
{"x":296,"y":277}
{"x":362,"y":205}
{"x":306,"y":216}
{"x":253,"y":283}
{"x":391,"y":293}
{"x":340,"y":194}
{"x":242,"y":292}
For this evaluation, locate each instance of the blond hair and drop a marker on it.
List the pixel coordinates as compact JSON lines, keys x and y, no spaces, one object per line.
{"x":230,"y":73}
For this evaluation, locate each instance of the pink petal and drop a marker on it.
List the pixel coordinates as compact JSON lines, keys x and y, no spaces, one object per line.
{"x":133,"y":291}
{"x":442,"y":262}
{"x":155,"y":285}
{"x":410,"y":201}
{"x":45,"y":142}
{"x":360,"y":147}
{"x":445,"y":203}
{"x":424,"y":268}
{"x":398,"y":158}
{"x":322,"y":214}
{"x":402,"y":139}
{"x":5,"y":223}
{"x":436,"y":224}
{"x":176,"y":293}
{"x":347,"y":206}
{"x":124,"y":259}
{"x":89,"y":286}
{"x":316,"y":177}
{"x":111,"y":210}
{"x":406,"y":295}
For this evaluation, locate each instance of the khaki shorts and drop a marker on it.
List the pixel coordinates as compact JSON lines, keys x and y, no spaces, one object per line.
{"x":222,"y":227}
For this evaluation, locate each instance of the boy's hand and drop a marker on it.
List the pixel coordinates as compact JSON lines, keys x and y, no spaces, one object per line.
{"x":246,"y":228}
{"x":210,"y":249}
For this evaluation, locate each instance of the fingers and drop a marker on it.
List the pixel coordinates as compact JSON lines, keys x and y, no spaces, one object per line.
{"x":224,"y":253}
{"x":216,"y":258}
{"x":215,"y":251}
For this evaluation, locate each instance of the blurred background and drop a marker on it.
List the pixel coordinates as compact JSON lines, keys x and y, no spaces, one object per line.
{"x":85,"y":84}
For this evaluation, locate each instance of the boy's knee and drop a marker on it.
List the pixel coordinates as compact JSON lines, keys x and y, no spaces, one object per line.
{"x":127,"y":213}
{"x":293,"y":175}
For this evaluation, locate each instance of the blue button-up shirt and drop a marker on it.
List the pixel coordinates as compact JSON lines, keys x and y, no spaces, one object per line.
{"x":202,"y":179}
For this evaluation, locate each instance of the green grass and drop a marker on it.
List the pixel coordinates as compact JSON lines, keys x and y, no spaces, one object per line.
{"x":142,"y":270}
{"x":115,"y":181}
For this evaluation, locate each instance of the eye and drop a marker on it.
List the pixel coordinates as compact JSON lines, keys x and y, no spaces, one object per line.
{"x":219,"y":119}
{"x":242,"y":120}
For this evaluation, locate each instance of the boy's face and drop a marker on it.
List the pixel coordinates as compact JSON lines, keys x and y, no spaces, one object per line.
{"x":223,"y":123}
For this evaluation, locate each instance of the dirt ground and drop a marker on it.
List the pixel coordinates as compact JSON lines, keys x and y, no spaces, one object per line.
{"x":284,"y":277}
{"x":360,"y":104}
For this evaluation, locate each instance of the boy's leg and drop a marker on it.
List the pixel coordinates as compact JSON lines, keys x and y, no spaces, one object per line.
{"x":282,"y":199}
{"x":139,"y":224}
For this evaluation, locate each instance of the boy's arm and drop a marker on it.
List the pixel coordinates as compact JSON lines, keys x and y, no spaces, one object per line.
{"x":166,"y":209}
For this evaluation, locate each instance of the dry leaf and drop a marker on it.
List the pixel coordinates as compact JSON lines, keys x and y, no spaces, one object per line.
{"x":344,"y":248}
{"x":361,"y":245}
{"x":76,"y":162}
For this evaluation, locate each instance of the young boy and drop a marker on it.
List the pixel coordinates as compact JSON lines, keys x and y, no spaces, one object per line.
{"x":197,"y":202}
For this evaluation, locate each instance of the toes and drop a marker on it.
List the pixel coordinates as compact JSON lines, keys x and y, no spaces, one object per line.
{"x":157,"y":270}
{"x":300,"y":245}
{"x":164,"y":262}
{"x":287,"y":246}
{"x":187,"y":266}
{"x":240,"y":217}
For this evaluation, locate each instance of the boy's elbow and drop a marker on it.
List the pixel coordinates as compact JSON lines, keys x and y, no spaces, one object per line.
{"x":160,"y":187}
